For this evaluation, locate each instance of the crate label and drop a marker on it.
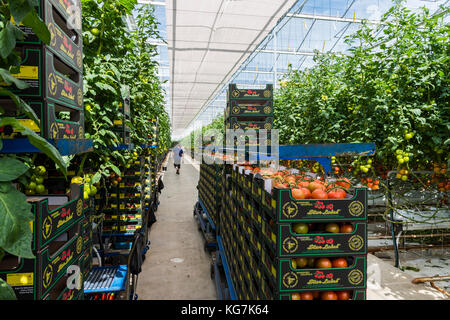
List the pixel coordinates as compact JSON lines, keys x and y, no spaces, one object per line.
{"x":20,"y":279}
{"x":30,"y":124}
{"x":27,"y":73}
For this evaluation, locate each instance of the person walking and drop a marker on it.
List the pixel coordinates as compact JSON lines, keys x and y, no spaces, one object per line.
{"x":177,"y":156}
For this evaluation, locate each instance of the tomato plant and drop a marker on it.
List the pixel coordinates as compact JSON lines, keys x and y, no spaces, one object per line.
{"x":15,"y":171}
{"x":120,"y":63}
{"x":393,"y":90}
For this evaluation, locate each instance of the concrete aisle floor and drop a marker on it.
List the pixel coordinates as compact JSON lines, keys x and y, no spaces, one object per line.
{"x":176,"y":266}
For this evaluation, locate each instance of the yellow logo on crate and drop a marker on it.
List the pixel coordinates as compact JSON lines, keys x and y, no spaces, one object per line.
{"x":267,"y":93}
{"x":267,"y":110}
{"x":54,"y":130}
{"x":79,"y":97}
{"x":290,"y":280}
{"x":290,"y":209}
{"x":51,"y":29}
{"x":236,"y":93}
{"x":52,"y":83}
{"x":355,"y":277}
{"x":79,"y":245}
{"x":236,"y":109}
{"x":290,"y":245}
{"x":79,"y":207}
{"x":79,"y":59}
{"x":356,"y":208}
{"x":47,"y":276}
{"x":47,"y":227}
{"x":80,"y":132}
{"x":355,"y":243}
{"x":268,"y":126}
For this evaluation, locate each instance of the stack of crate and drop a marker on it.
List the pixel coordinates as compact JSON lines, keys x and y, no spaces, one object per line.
{"x":249,"y":109}
{"x":210,"y":188}
{"x":54,"y":73}
{"x":60,"y":246}
{"x":269,"y":260}
{"x":123,"y":213}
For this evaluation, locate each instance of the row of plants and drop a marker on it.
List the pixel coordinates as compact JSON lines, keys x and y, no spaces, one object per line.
{"x":118,"y":59}
{"x":392,"y":89}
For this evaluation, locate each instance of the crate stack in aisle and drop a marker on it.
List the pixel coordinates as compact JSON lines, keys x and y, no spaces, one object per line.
{"x":210,"y":188}
{"x":250,"y":109}
{"x":123,"y":212}
{"x":268,"y":259}
{"x":61,"y":237}
{"x":54,"y":73}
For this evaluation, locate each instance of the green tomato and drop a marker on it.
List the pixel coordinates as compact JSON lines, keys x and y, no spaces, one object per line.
{"x":39,"y":180}
{"x":40,"y":188}
{"x":95,"y":31}
{"x":401,"y":160}
{"x":408,"y":136}
{"x":404,"y":177}
{"x":93,"y":191}
{"x":40,"y":170}
{"x":31,"y":185}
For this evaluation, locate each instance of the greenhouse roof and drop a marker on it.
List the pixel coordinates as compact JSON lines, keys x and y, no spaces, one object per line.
{"x":208,"y":40}
{"x":252,"y":42}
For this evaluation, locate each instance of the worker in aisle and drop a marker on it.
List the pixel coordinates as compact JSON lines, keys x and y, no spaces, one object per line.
{"x":177,"y":156}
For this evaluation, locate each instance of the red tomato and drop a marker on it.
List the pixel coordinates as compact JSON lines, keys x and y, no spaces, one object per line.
{"x":346,"y":228}
{"x":307,"y":296}
{"x":306,"y":192}
{"x":328,"y":295}
{"x":296,"y":296}
{"x":343,"y":295}
{"x":339,"y":263}
{"x":319,"y":194}
{"x":297,"y":194}
{"x":323,"y":263}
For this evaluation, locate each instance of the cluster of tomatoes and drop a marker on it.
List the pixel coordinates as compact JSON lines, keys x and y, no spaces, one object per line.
{"x":322,"y":295}
{"x":36,"y":184}
{"x":329,"y":227}
{"x":304,"y":187}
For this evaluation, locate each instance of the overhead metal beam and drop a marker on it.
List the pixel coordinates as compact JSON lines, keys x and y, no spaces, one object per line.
{"x":329,"y":18}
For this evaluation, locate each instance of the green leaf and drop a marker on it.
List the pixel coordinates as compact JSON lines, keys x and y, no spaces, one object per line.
{"x":15,"y":215}
{"x":11,"y":169}
{"x":38,"y":142}
{"x":115,"y":169}
{"x":7,"y":40}
{"x":22,"y":105}
{"x":6,"y":292}
{"x":38,"y":26}
{"x":96,"y":178}
{"x":9,"y":78}
{"x":20,"y":9}
{"x":106,"y":87}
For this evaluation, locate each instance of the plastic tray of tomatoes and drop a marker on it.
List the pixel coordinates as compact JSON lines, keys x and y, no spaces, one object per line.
{"x":325,"y":295}
{"x":287,"y":209}
{"x":321,"y":239}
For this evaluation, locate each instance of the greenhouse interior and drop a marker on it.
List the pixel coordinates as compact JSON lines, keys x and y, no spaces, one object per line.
{"x":225,"y":150}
